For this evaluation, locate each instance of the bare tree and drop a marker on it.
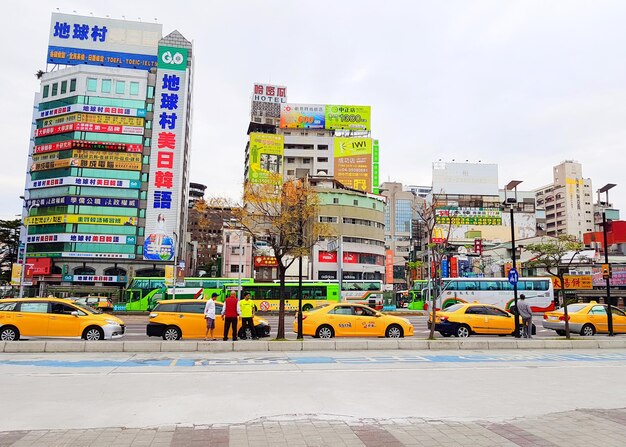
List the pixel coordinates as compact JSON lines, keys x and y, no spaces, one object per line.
{"x":284,"y":214}
{"x":436,"y":248}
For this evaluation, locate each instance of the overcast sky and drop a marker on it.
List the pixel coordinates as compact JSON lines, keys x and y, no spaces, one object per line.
{"x":524,"y":84}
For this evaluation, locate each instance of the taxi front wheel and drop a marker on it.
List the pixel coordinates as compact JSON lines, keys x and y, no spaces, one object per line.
{"x":93,"y":333}
{"x":394,"y":331}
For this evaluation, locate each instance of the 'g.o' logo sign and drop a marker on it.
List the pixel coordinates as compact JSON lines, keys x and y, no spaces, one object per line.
{"x":172,"y":59}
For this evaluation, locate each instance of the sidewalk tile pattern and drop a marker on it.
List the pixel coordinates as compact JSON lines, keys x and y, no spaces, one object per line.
{"x":586,"y":427}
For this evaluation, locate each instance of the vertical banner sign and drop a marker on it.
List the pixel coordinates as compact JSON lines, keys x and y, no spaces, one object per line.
{"x":454,"y":267}
{"x":166,"y":161}
{"x":375,"y":167}
{"x":445,"y":265}
{"x":388,"y":266}
{"x":353,"y":162}
{"x":169,"y":275}
{"x":266,"y":157}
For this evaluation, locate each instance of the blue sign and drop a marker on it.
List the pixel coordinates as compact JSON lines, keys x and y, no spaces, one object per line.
{"x":158,"y":247}
{"x":93,"y":201}
{"x":513,"y":276}
{"x":82,"y":56}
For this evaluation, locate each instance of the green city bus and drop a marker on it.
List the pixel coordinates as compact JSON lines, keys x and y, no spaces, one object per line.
{"x":267,"y":295}
{"x":143,"y":292}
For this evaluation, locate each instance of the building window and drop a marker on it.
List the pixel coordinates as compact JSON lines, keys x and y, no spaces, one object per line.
{"x":149,"y":107}
{"x":291,"y":160}
{"x":335,"y":200}
{"x":63,"y":87}
{"x":46,"y":90}
{"x":322,"y":159}
{"x":355,"y":202}
{"x":404,"y":213}
{"x":234,"y":268}
{"x":120,"y":87}
{"x":291,"y":172}
{"x":328,"y":219}
{"x":106,"y":86}
{"x":134,"y":88}
{"x":72,"y":85}
{"x":322,"y":147}
{"x":55,"y":87}
{"x":150,"y":92}
{"x":92,"y":84}
{"x":306,"y":161}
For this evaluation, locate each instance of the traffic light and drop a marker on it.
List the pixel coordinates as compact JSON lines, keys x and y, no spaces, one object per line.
{"x":607,"y":272}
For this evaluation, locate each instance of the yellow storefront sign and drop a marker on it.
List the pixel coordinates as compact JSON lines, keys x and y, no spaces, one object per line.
{"x":80,"y":219}
{"x":77,"y":163}
{"x":55,"y":164}
{"x":574,"y":282}
{"x":95,"y":119}
{"x":353,"y":162}
{"x":266,"y":157}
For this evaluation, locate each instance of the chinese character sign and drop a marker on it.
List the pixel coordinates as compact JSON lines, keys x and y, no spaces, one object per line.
{"x":165,"y":186}
{"x":302,"y":116}
{"x":353,"y":162}
{"x":78,"y":40}
{"x":269,"y":93}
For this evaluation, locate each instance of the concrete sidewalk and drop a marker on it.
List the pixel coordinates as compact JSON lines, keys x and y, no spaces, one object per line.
{"x":473,"y":343}
{"x":586,"y":427}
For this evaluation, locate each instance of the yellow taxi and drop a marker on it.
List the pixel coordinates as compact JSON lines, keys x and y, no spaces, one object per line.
{"x":176,"y":319}
{"x":55,"y":317}
{"x":465,"y":319}
{"x":586,"y":319}
{"x":352,"y":320}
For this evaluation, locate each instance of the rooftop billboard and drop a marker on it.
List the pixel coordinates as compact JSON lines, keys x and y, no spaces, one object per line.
{"x":78,"y":40}
{"x":477,"y":179}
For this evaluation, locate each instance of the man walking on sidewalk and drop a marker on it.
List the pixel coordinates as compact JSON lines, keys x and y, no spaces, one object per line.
{"x":523,"y":308}
{"x":230,"y":313}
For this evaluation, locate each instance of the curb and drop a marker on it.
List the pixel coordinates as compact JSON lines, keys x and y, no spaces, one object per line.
{"x":39,"y":346}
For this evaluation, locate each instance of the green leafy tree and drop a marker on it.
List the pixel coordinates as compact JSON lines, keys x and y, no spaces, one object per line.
{"x":9,"y":246}
{"x":555,"y":255}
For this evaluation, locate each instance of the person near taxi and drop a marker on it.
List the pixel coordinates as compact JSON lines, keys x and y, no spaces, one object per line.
{"x":209,"y":315}
{"x":230,"y":313}
{"x":527,"y":316}
{"x":247,"y":313}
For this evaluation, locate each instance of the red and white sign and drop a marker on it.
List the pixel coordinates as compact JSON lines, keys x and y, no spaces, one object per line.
{"x":106,"y":110}
{"x":264,"y":306}
{"x":327,"y":256}
{"x":388,"y":266}
{"x":350,"y":258}
{"x":89,"y":127}
{"x":38,"y":266}
{"x":270,"y":93}
{"x":79,"y":144}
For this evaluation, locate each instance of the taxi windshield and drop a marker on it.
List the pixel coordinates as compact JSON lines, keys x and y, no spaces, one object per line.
{"x":88,"y":309}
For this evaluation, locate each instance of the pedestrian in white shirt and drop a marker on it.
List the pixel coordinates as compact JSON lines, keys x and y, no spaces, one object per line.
{"x":209,"y":315}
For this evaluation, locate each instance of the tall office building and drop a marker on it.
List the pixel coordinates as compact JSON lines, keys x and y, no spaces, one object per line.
{"x":332,"y":146}
{"x":567,"y":201}
{"x":106,"y":192}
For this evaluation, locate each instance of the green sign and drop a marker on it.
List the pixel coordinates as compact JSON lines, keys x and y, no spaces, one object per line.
{"x":172,"y":58}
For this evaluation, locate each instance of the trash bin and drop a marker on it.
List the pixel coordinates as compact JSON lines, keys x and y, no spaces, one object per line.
{"x":389,"y":301}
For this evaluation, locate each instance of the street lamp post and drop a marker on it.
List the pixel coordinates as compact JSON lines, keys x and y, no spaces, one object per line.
{"x":239,"y":236}
{"x":511,"y":201}
{"x":609,"y":311}
{"x":23,"y":270}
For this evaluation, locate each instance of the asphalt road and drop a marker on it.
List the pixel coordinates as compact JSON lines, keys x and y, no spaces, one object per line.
{"x":136,"y":327}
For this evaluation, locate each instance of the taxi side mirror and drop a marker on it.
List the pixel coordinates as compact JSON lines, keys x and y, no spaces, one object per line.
{"x":75,"y":313}
{"x":378,"y":314}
